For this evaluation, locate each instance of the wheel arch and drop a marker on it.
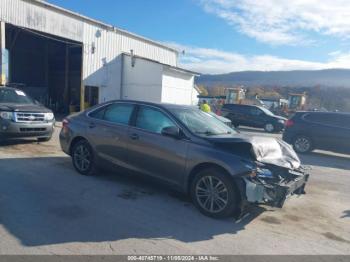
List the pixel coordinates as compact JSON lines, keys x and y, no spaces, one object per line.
{"x":74,"y":142}
{"x":206,"y":165}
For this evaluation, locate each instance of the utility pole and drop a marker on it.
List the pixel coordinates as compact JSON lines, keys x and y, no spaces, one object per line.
{"x":2,"y":53}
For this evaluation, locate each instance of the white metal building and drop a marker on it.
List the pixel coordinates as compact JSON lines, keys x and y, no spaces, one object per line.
{"x":60,"y":57}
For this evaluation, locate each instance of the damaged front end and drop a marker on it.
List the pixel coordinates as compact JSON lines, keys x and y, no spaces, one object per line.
{"x":273,"y":185}
{"x":275,"y":171}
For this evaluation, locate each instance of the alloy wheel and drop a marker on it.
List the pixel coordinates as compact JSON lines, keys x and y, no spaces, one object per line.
{"x":302,"y":144}
{"x":211,"y":194}
{"x":82,"y":158}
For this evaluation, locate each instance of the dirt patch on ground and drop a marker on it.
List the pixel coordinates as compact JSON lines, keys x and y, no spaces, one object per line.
{"x":332,"y":236}
{"x":271,"y":220}
{"x":292,"y":218}
{"x":29,"y":148}
{"x":134,"y":194}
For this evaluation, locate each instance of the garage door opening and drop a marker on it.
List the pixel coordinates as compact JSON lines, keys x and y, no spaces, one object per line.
{"x":46,"y":67}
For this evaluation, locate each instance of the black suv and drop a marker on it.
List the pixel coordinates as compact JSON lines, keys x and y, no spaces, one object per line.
{"x":253,"y":116}
{"x":318,"y":130}
{"x":21,"y":116}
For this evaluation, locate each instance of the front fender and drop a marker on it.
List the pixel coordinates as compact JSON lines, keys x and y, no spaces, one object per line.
{"x":198,"y":155}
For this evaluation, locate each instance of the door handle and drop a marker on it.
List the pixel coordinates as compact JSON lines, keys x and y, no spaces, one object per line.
{"x":92,"y":125}
{"x":134,"y":136}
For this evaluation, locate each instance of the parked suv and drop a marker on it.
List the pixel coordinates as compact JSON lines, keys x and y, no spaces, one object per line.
{"x":307,"y":131}
{"x":21,"y":116}
{"x":191,"y":150}
{"x":253,"y":116}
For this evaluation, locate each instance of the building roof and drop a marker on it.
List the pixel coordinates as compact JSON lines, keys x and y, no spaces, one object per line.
{"x":98,"y":23}
{"x":169,"y":66}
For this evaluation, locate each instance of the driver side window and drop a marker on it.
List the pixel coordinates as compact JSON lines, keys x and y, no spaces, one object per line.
{"x":152,"y":120}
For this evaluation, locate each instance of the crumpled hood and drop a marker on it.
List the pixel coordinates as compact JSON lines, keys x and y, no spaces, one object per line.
{"x":24,"y":108}
{"x":267,"y":150}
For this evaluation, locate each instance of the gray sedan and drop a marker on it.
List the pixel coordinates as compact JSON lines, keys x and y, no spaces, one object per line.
{"x":194,"y":152}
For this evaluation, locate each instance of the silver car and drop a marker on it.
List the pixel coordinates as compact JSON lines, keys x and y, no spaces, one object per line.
{"x":194,"y":152}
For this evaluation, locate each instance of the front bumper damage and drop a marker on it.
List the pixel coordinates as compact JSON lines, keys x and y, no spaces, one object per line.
{"x":274,"y":185}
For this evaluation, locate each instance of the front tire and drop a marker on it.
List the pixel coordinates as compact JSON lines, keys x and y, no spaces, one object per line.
{"x":214,"y":193}
{"x":83,"y":158}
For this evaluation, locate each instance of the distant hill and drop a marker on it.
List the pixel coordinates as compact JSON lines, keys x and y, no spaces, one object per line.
{"x":297,"y":78}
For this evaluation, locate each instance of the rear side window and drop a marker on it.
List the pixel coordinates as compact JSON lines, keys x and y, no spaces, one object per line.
{"x":326,"y":119}
{"x":98,"y":114}
{"x":118,"y":113}
{"x":229,"y":107}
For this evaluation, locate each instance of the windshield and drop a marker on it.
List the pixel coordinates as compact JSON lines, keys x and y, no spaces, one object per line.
{"x":13,"y":96}
{"x":202,"y":123}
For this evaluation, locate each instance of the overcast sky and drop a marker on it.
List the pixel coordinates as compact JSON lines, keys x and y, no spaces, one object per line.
{"x":221,"y":36}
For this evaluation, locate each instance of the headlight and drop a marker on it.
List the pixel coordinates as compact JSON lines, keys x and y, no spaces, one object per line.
{"x":251,"y":167}
{"x":281,"y":121}
{"x":6,"y":115}
{"x":49,"y":116}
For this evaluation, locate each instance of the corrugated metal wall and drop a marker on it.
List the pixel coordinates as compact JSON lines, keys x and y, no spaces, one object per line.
{"x":103,"y":45}
{"x":109,"y":45}
{"x":29,"y":15}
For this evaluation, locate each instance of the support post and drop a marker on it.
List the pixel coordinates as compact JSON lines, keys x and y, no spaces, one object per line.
{"x":2,"y":53}
{"x":82,"y":87}
{"x":66,"y":78}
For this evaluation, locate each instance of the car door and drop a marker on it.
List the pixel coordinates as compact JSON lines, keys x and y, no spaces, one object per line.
{"x":255,"y":117}
{"x":241,"y":114}
{"x":152,"y":153}
{"x":346,"y":120}
{"x":341,"y":131}
{"x":322,"y":131}
{"x":108,"y":132}
{"x":231,"y":112}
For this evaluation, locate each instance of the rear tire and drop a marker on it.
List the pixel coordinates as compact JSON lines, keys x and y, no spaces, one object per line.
{"x":214,"y":193}
{"x":270,"y":128}
{"x":83,"y":158}
{"x":302,"y":144}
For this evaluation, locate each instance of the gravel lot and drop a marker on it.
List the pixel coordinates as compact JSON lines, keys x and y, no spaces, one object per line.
{"x":47,"y":208}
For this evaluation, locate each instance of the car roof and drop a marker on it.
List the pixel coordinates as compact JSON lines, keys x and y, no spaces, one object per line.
{"x":323,"y":112}
{"x":240,"y":105}
{"x":161,"y":105}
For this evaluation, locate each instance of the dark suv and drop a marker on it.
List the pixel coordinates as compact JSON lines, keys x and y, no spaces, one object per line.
{"x":253,"y":116}
{"x":318,"y":130}
{"x":191,"y":150}
{"x":21,"y":116}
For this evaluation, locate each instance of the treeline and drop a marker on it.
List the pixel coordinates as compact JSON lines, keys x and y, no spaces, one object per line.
{"x":318,"y":97}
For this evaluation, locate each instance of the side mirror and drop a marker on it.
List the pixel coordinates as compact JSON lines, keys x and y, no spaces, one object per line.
{"x":171,"y":131}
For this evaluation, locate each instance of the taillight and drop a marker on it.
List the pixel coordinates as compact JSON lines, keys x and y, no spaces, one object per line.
{"x":65,"y":124}
{"x":289,"y":123}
